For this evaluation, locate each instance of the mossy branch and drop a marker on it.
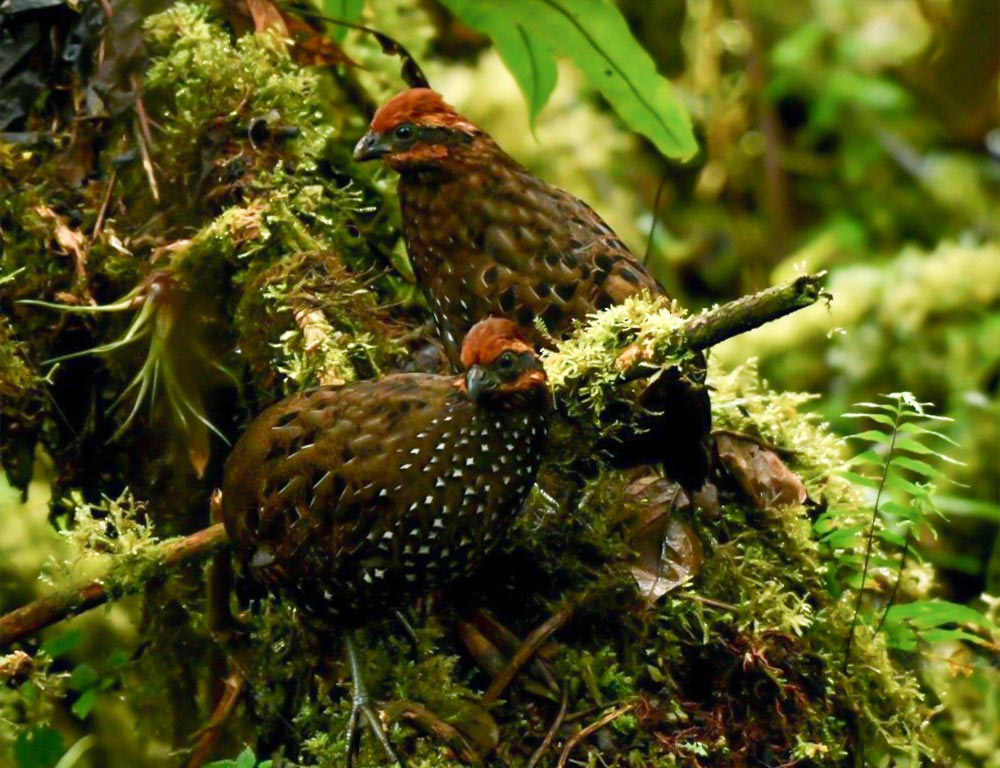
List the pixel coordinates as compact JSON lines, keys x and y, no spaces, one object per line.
{"x":750,"y":312}
{"x":693,"y":335}
{"x":82,"y":596}
{"x":642,"y":335}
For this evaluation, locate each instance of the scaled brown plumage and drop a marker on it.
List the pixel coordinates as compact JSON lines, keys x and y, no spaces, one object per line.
{"x":353,"y":499}
{"x":486,"y":237}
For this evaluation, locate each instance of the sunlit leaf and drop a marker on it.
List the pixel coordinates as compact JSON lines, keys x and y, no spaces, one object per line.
{"x":879,"y":418}
{"x":344,"y":10}
{"x":529,"y":61}
{"x":868,"y":457}
{"x":63,"y":643}
{"x":913,"y":428}
{"x":873,"y":436}
{"x":896,"y":482}
{"x":921,"y":468}
{"x":594,"y":35}
{"x":38,"y":747}
{"x":82,"y":706}
{"x":82,"y":677}
{"x":862,"y":480}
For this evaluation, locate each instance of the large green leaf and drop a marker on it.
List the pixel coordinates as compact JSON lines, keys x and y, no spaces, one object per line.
{"x":594,"y":35}
{"x":929,"y":620}
{"x":528,"y":60}
{"x":344,"y":10}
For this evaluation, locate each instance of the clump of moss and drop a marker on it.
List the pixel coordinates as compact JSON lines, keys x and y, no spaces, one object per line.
{"x":585,"y":369}
{"x":245,"y":98}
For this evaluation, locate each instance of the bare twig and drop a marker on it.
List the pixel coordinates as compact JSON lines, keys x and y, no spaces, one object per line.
{"x":99,"y":224}
{"x":731,"y":319}
{"x":590,"y":729}
{"x":550,"y":734}
{"x":83,"y":596}
{"x":526,"y":652}
{"x":209,"y":735}
{"x":749,"y":312}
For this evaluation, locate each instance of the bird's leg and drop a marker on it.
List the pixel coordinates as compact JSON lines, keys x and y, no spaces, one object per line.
{"x":411,"y":633}
{"x":361,"y":705}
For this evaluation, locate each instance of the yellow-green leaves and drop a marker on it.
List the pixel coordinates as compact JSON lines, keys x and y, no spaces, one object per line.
{"x":529,"y":61}
{"x":593,"y":34}
{"x":344,"y":10}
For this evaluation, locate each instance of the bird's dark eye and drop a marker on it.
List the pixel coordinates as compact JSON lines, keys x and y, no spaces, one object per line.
{"x":506,"y":361}
{"x":404,"y":132}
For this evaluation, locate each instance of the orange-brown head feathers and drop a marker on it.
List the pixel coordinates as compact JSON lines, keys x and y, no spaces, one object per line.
{"x":488,"y":338}
{"x":415,"y":129}
{"x":500,"y":363}
{"x":420,"y":106}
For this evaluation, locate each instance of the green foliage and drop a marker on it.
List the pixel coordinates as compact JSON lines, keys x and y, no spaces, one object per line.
{"x":594,"y":35}
{"x":899,"y":481}
{"x":344,"y":10}
{"x":245,"y":759}
{"x":531,"y":64}
{"x":584,"y":370}
{"x":295,"y":277}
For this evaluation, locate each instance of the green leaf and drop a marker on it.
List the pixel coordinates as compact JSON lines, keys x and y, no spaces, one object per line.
{"x":913,"y":446}
{"x":82,"y":706}
{"x":979,"y":509}
{"x":844,"y":537}
{"x":897,"y":483}
{"x":868,"y":457}
{"x":863,"y":480}
{"x":62,"y":644}
{"x":939,"y":635}
{"x":345,"y":10}
{"x":879,"y":418}
{"x":246,"y":759}
{"x":892,"y":537}
{"x":873,"y":436}
{"x":929,"y":614}
{"x":525,"y":56}
{"x":921,"y":468}
{"x":594,"y":35}
{"x":83,"y":676}
{"x":117,"y":659}
{"x":913,"y":428}
{"x":40,"y":747}
{"x":901,"y":511}
{"x":893,"y":408}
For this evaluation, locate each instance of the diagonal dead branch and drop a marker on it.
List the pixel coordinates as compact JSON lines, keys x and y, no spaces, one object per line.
{"x":82,"y":596}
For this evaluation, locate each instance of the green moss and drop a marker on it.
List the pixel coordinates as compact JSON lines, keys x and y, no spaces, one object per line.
{"x":584,"y":371}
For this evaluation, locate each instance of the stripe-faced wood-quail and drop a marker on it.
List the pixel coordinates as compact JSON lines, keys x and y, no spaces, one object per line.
{"x":351,"y":500}
{"x":486,"y":237}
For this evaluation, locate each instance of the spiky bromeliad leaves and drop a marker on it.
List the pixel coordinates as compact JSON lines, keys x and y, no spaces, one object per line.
{"x":488,"y":238}
{"x":155,"y":302}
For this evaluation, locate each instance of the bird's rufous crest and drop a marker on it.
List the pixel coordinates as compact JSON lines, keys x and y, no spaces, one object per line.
{"x":420,"y":106}
{"x":488,"y":338}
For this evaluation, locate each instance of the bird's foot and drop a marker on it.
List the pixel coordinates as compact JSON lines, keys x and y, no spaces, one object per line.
{"x":361,"y":707}
{"x":410,"y":632}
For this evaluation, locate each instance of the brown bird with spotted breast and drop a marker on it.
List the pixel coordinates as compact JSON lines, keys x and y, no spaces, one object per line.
{"x":487,"y":237}
{"x":352,"y":500}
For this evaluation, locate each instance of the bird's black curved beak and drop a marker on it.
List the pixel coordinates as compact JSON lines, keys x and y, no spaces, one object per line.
{"x":478,"y":381}
{"x":371,"y":147}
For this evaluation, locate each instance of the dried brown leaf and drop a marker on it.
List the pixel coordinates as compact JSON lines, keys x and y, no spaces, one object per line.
{"x":759,"y":471}
{"x":668,"y":553}
{"x":72,"y":242}
{"x":267,"y":18}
